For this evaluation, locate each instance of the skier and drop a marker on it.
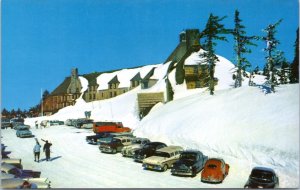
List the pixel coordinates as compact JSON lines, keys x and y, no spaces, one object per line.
{"x":36,"y":151}
{"x":46,"y":149}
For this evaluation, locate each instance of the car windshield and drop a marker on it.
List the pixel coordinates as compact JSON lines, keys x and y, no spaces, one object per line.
{"x":115,"y":140}
{"x":188,"y":156}
{"x":262,"y":175}
{"x":137,"y":141}
{"x":212,"y":166}
{"x":162,"y":154}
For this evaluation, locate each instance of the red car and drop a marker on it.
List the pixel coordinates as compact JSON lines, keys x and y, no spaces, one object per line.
{"x":215,"y":170}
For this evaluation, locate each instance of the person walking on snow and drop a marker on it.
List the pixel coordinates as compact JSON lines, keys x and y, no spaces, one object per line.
{"x":46,"y":149}
{"x":36,"y":151}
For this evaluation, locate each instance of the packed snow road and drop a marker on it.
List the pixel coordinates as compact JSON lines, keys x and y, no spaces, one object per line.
{"x":74,"y":163}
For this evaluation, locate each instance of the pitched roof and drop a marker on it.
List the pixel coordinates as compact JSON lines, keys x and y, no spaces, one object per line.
{"x":114,"y":80}
{"x":137,"y":77}
{"x":62,"y":88}
{"x":150,"y":73}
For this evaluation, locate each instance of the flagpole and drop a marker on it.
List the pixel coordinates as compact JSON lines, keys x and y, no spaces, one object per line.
{"x":42,"y":101}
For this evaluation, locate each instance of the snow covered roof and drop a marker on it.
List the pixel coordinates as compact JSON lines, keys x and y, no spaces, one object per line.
{"x":195,"y":59}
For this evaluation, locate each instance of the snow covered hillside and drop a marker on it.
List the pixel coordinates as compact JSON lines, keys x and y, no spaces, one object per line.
{"x":244,"y":126}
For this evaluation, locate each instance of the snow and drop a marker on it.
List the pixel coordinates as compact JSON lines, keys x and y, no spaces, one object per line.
{"x":244,"y":126}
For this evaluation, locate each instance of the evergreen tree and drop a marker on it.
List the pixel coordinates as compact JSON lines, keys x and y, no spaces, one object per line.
{"x":256,"y":70}
{"x":241,"y":43}
{"x":271,"y":51}
{"x":294,"y":78}
{"x":282,"y":68}
{"x":45,"y":94}
{"x":213,"y":31}
{"x":5,"y":113}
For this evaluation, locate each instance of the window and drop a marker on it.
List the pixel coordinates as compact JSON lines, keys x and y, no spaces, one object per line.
{"x":115,"y":93}
{"x":94,"y":96}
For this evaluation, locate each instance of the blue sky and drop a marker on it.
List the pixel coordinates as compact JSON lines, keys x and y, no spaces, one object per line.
{"x":43,"y":39}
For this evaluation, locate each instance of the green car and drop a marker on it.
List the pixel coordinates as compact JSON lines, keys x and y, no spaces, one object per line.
{"x":24,"y":132}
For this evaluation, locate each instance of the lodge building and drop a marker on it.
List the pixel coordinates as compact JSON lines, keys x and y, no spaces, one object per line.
{"x":104,"y":85}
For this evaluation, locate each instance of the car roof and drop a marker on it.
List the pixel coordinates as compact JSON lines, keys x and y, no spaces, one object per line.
{"x":122,"y":137}
{"x":260,"y":168}
{"x":192,"y":151}
{"x":6,"y":167}
{"x":170,"y":149}
{"x":154,"y":143}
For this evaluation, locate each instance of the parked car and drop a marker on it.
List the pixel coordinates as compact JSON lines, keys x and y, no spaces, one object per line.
{"x":55,"y":122}
{"x":19,"y":173}
{"x":163,"y":158}
{"x":108,"y":138}
{"x":13,"y":161}
{"x":137,"y":143}
{"x":190,"y":163}
{"x":111,"y":127}
{"x":115,"y":145}
{"x":215,"y":170}
{"x":70,"y":122}
{"x":262,"y":177}
{"x":21,"y":126}
{"x":5,"y":123}
{"x":16,"y":183}
{"x":80,"y":122}
{"x":16,"y":121}
{"x":147,"y":150}
{"x":24,"y":132}
{"x":93,"y":139}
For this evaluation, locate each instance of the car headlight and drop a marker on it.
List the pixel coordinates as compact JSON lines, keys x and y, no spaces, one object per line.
{"x":260,"y":187}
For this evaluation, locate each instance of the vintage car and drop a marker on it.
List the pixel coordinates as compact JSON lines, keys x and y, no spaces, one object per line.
{"x":109,"y":127}
{"x":16,"y":121}
{"x":189,"y":164}
{"x":24,"y":132}
{"x":55,"y":122}
{"x":21,"y":126}
{"x":137,"y":143}
{"x":147,"y":150}
{"x":110,"y":136}
{"x":13,"y":161}
{"x":93,"y":139}
{"x":215,"y":170}
{"x":5,"y":123}
{"x":115,"y":145}
{"x":80,"y":122}
{"x":19,"y":173}
{"x":262,"y":177}
{"x":163,"y":158}
{"x":18,"y":183}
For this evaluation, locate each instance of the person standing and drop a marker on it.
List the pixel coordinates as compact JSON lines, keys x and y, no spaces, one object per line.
{"x":46,"y":149}
{"x":36,"y":151}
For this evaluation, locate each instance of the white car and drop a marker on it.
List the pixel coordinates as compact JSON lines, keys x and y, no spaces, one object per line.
{"x":16,"y":183}
{"x":163,"y":158}
{"x":137,"y":143}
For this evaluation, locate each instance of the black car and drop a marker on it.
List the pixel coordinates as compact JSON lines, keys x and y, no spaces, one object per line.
{"x":189,"y":164}
{"x":93,"y":139}
{"x":79,"y":122}
{"x":147,"y":150}
{"x":262,"y":177}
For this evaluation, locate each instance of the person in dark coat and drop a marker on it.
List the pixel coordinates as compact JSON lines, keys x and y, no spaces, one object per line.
{"x":46,"y":149}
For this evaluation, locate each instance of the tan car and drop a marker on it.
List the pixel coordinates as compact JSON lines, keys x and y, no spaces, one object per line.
{"x":163,"y":158}
{"x":13,"y":161}
{"x":115,"y":145}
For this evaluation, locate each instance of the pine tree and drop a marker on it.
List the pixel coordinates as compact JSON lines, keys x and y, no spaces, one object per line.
{"x":281,"y":68}
{"x":212,"y":32}
{"x":294,"y":78}
{"x":271,"y":51}
{"x":5,"y":113}
{"x":256,"y":70}
{"x":241,"y":43}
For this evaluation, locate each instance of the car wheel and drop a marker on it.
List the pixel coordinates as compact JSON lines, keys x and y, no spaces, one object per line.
{"x":165,"y":167}
{"x":114,"y":151}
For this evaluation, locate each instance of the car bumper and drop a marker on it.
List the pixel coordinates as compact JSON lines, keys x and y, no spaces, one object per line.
{"x":153,"y":167}
{"x":138,"y":158}
{"x":182,"y":172}
{"x":105,"y":149}
{"x":211,"y":180}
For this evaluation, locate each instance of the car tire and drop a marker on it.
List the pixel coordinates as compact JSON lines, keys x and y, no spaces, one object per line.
{"x":165,"y":167}
{"x":114,"y":151}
